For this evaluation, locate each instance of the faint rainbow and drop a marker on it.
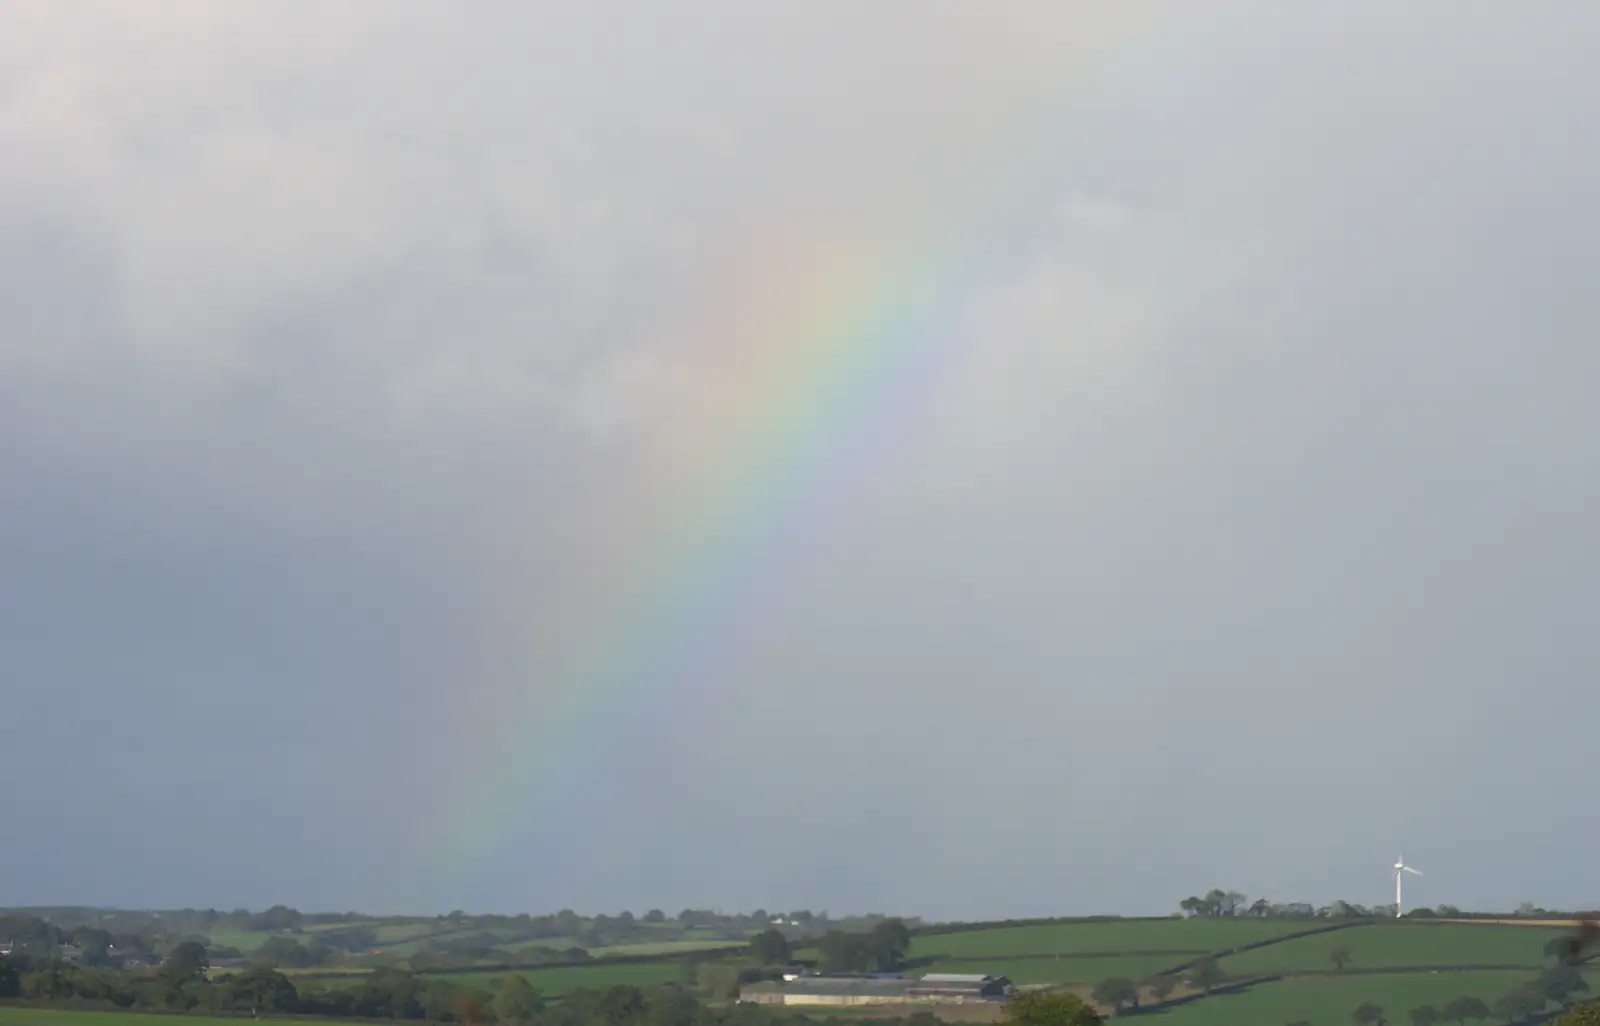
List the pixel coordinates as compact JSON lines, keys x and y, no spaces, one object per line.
{"x":866,"y":335}
{"x":864,"y":328}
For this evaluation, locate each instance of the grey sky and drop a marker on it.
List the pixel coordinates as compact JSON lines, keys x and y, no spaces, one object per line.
{"x":1248,"y":541}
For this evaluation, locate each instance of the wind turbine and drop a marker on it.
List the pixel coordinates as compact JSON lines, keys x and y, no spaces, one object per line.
{"x":1399,"y":868}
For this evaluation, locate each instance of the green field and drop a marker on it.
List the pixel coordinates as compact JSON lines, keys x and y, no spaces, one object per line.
{"x":1080,"y":954}
{"x":1089,"y":952}
{"x":666,"y":947}
{"x":1064,"y":970}
{"x":400,"y":933}
{"x":1328,"y":1000}
{"x":246,"y":942}
{"x":1392,"y":945}
{"x":389,"y":933}
{"x":553,"y":982}
{"x":1180,"y":936}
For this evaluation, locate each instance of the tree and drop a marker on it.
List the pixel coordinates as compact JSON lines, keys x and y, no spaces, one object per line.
{"x":888,"y":943}
{"x":1558,"y":983}
{"x":1460,"y":1009}
{"x":770,"y":947}
{"x":1368,"y":1014}
{"x":262,"y":990}
{"x":187,"y":961}
{"x":278,"y":917}
{"x":469,"y":1009}
{"x":1586,"y":1014}
{"x":1161,"y":986}
{"x":859,"y":952}
{"x":1049,"y":1008}
{"x":283,"y":952}
{"x":1339,"y":956}
{"x":620,"y":1003}
{"x":675,"y":1008}
{"x":720,"y":981}
{"x":440,"y":999}
{"x":1425,"y":1015}
{"x":1117,"y":991}
{"x":1520,"y":1004}
{"x":10,"y":979}
{"x":655,"y":915}
{"x":516,"y":998}
{"x":1205,"y":974}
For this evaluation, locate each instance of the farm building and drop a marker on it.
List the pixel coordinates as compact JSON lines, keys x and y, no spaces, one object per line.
{"x":829,"y":990}
{"x":933,"y":989}
{"x":959,"y":988}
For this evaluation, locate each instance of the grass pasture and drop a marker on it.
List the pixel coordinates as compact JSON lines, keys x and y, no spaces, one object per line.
{"x":664,"y":947}
{"x":1401,"y":945}
{"x":1087,"y":952}
{"x":1183,"y":938}
{"x":1067,"y":969}
{"x":246,"y":942}
{"x":558,"y":981}
{"x":400,"y":933}
{"x":1445,"y":960}
{"x":1329,"y":1000}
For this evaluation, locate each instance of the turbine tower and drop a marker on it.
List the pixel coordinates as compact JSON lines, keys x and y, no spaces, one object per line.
{"x":1400,"y":867}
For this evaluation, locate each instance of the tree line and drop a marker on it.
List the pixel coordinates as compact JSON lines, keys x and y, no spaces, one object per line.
{"x":1222,"y":903}
{"x":181,"y":985}
{"x":295,"y":941}
{"x":184,"y":979}
{"x":591,"y":930}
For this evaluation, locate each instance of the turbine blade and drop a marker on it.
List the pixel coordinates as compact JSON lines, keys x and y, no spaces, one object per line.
{"x":1413,"y":872}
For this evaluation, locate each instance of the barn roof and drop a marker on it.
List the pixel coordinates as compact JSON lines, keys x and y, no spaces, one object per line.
{"x":849,"y":985}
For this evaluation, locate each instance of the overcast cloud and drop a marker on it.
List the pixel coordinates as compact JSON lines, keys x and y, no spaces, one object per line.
{"x":1247,"y":539}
